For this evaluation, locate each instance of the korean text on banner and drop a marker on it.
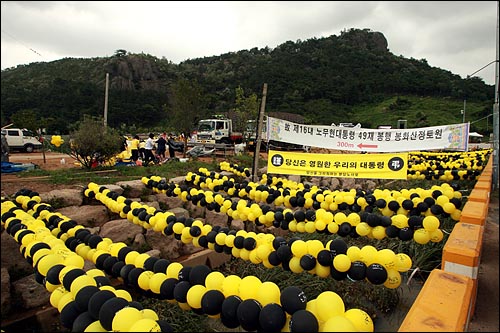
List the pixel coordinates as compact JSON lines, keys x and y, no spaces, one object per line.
{"x":450,"y":137}
{"x":375,"y":166}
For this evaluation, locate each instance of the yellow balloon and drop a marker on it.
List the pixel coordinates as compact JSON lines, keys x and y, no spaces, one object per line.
{"x":148,"y":313}
{"x":294,"y":265}
{"x":368,"y":254}
{"x":74,"y":260}
{"x":143,"y":280}
{"x":449,"y":207}
{"x":47,"y":262}
{"x":322,"y":271}
{"x":140,"y":259}
{"x":40,"y":254}
{"x":268,"y":292}
{"x":341,"y":262}
{"x":332,"y":227}
{"x":64,"y":300}
{"x":436,"y":236}
{"x":123,"y":294}
{"x":314,"y":246}
{"x":378,"y":232}
{"x":231,"y":285}
{"x":310,"y":227}
{"x":329,"y":304}
{"x":145,"y":325}
{"x":96,"y":327}
{"x":80,"y":282}
{"x":214,"y":280}
{"x":363,"y":229}
{"x":431,"y":223}
{"x":421,"y":236}
{"x":130,"y":257}
{"x":173,"y":270}
{"x":387,"y":258}
{"x":194,"y":295}
{"x":312,"y":307}
{"x":125,"y":318}
{"x":95,"y":272}
{"x":248,"y":287}
{"x":360,"y":319}
{"x":354,"y":253}
{"x":56,"y":140}
{"x":403,"y":262}
{"x":354,"y":219}
{"x":393,"y":279}
{"x":339,"y":323}
{"x":56,"y":295}
{"x":155,"y":282}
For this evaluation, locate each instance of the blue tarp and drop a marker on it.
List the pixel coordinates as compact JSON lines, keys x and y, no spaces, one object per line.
{"x":9,"y":167}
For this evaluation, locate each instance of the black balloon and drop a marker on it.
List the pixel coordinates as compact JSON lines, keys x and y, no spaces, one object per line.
{"x":97,"y":300}
{"x":198,"y":274}
{"x":293,"y":299}
{"x":307,"y":262}
{"x":68,"y":314}
{"x":248,"y":314}
{"x":228,"y":315}
{"x":83,"y":296}
{"x":357,"y":271}
{"x":303,"y":321}
{"x":211,"y":302}
{"x":109,"y":309}
{"x":180,"y":291}
{"x":81,"y":322}
{"x":272,"y":318}
{"x":376,"y":273}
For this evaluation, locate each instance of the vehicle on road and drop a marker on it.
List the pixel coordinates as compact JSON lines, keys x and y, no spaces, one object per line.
{"x":21,"y":140}
{"x":218,"y":129}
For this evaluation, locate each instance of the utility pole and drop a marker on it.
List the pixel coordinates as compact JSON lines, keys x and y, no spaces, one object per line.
{"x":106,"y":101}
{"x":258,"y":138}
{"x":463,"y":118}
{"x":495,"y":112}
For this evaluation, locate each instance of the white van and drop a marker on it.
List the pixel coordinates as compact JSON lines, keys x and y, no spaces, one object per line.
{"x":21,"y":139}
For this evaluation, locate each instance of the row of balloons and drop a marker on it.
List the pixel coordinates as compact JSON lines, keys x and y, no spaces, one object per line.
{"x":422,"y":225}
{"x":88,"y":304}
{"x":334,"y":258}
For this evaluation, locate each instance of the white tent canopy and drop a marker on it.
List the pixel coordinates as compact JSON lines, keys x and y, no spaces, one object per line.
{"x":475,"y":134}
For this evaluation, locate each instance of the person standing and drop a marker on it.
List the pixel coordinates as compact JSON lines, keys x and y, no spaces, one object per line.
{"x":148,"y":150}
{"x":171,"y":146}
{"x":161,"y":147}
{"x":134,"y":148}
{"x":142,"y":150}
{"x":5,"y":147}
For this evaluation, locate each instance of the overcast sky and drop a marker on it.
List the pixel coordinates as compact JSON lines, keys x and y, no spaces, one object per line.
{"x":459,"y":36}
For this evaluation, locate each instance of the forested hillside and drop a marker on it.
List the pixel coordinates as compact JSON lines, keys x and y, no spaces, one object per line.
{"x":351,"y":77}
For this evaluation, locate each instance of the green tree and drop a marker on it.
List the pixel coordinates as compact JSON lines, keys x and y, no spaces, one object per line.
{"x":92,"y":140}
{"x":26,"y":118}
{"x":247,"y":108}
{"x":187,"y":106}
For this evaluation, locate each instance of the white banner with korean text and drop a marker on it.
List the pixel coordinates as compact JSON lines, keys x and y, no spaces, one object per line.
{"x":448,"y":137}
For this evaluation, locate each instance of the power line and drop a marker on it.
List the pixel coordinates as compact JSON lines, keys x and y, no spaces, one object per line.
{"x":17,"y":40}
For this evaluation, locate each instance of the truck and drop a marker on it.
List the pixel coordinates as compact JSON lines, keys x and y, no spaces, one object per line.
{"x":217,"y":129}
{"x":21,"y":140}
{"x":250,"y":137}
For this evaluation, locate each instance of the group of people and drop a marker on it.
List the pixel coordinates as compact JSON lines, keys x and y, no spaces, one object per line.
{"x":144,"y":149}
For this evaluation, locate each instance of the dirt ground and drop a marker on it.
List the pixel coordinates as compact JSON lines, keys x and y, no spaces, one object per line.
{"x":486,"y":316}
{"x":11,"y":182}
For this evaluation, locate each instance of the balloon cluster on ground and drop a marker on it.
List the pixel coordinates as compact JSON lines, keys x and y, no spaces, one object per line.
{"x":334,"y":259}
{"x":447,"y":166}
{"x":57,"y":248}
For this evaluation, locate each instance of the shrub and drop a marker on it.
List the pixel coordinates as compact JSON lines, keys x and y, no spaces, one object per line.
{"x":93,"y":142}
